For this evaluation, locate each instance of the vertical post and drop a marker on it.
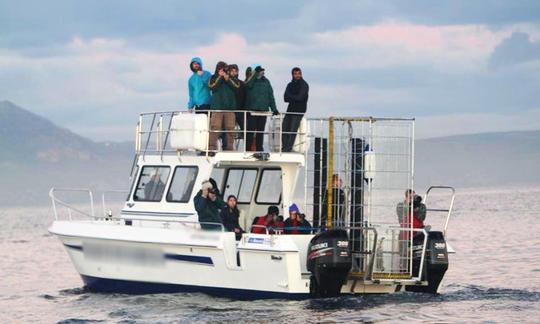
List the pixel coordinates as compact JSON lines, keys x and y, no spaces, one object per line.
{"x":329,"y":182}
{"x":245,"y":130}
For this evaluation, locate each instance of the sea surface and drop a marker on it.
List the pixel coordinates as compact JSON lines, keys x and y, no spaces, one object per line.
{"x":494,"y":277}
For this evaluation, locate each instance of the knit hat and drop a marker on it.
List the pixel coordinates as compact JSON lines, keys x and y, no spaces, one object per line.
{"x":294,"y":208}
{"x":206,"y":185}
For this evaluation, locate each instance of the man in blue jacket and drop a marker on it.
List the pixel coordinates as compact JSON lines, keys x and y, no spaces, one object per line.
{"x":199,"y":93}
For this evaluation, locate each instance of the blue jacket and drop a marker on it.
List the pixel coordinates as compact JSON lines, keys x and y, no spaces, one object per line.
{"x":199,"y":93}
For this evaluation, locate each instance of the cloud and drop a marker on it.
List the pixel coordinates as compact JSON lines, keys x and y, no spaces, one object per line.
{"x":516,"y":49}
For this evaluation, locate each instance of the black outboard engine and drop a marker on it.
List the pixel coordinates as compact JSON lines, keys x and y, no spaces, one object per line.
{"x":329,"y":261}
{"x":435,"y":262}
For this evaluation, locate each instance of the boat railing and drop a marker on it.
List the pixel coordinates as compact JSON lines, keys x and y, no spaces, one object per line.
{"x":69,"y":206}
{"x":448,"y":210}
{"x":154,"y":131}
{"x":386,"y":253}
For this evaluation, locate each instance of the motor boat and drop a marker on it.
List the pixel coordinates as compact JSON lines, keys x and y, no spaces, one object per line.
{"x":346,"y":174}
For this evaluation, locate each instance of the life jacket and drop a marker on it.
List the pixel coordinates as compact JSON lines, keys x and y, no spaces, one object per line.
{"x":261,"y":224}
{"x":416,"y":223}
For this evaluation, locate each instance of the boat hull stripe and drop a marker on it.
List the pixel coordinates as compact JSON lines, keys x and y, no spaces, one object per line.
{"x":140,"y":287}
{"x":190,"y":258}
{"x":74,"y":247}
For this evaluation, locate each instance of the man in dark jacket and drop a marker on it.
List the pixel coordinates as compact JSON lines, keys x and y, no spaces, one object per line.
{"x":260,"y":100}
{"x":223,"y":98}
{"x":208,"y":205}
{"x":296,"y":94}
{"x":240,"y":98}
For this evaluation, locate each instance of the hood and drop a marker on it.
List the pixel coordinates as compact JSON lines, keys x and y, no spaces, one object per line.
{"x":195,"y":59}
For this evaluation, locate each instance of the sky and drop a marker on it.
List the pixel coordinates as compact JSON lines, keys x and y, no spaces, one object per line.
{"x":456,"y":66}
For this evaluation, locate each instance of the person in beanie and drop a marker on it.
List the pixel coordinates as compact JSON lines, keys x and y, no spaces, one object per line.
{"x":260,"y":99}
{"x":199,"y":93}
{"x":208,"y":204}
{"x":240,"y":98}
{"x":292,"y":223}
{"x":223,"y":98}
{"x":296,"y":94}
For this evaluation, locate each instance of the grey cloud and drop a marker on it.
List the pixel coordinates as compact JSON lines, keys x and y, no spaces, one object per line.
{"x":518,"y":48}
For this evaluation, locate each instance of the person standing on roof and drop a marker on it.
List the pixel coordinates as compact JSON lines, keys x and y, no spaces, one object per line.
{"x":296,"y":94}
{"x":223,"y":99}
{"x":199,"y":93}
{"x":240,"y":98}
{"x":260,"y":100}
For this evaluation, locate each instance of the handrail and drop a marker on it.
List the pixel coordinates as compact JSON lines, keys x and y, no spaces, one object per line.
{"x":69,"y":207}
{"x":449,"y":210}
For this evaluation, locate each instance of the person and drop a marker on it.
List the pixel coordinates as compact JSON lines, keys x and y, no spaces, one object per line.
{"x":410,"y":218}
{"x":208,"y":204}
{"x":296,"y":94}
{"x":230,"y":215}
{"x":223,"y":98}
{"x":260,"y":99}
{"x":407,"y":218}
{"x":338,"y":203}
{"x":267,"y":222}
{"x":305,"y":226}
{"x":153,"y":190}
{"x":240,"y":99}
{"x":199,"y":93}
{"x":292,"y":223}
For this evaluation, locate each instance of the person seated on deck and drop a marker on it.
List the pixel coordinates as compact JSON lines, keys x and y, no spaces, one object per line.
{"x":230,"y":216}
{"x":267,"y":222}
{"x":208,"y":204}
{"x":292,"y":223}
{"x":305,"y":226}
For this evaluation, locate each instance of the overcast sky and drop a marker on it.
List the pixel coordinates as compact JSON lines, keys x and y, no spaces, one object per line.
{"x":458,"y":66}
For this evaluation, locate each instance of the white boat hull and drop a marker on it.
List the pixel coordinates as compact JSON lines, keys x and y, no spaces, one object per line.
{"x":114,"y":258}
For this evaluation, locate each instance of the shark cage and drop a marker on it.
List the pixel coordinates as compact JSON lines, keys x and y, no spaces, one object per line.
{"x":357,"y":172}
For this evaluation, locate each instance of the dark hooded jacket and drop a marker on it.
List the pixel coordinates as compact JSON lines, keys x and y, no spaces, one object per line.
{"x":296,"y":94}
{"x":223,"y":92}
{"x":208,"y":210}
{"x":260,"y":95}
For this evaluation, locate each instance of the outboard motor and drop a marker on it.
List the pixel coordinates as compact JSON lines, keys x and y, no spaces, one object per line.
{"x":329,"y":261}
{"x":435,"y":262}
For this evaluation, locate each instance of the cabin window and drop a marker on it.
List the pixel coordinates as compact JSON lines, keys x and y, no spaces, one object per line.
{"x":269,"y":192}
{"x":151,"y":183}
{"x":241,"y":183}
{"x":182,"y":184}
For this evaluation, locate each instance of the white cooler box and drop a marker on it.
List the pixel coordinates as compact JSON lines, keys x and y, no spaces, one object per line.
{"x":189,"y":132}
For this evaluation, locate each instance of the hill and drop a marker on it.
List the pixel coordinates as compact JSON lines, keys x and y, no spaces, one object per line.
{"x":35,"y":155}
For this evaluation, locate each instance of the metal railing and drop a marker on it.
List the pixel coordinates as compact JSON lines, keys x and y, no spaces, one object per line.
{"x":153,"y":131}
{"x":55,"y":200}
{"x":442,"y":210}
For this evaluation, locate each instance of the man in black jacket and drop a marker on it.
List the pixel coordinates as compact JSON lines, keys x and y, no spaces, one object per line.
{"x":240,"y":99}
{"x":296,"y":94}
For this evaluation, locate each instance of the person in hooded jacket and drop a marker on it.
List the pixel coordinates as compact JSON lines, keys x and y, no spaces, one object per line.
{"x":199,"y":93}
{"x":208,"y":205}
{"x":296,"y":94}
{"x":260,"y":99}
{"x":230,"y":216}
{"x":223,"y":98}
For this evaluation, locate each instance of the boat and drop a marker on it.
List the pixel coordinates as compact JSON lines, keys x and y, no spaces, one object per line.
{"x":347,"y":174}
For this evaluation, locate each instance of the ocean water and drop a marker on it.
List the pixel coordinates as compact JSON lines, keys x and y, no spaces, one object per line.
{"x":494,"y":277}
